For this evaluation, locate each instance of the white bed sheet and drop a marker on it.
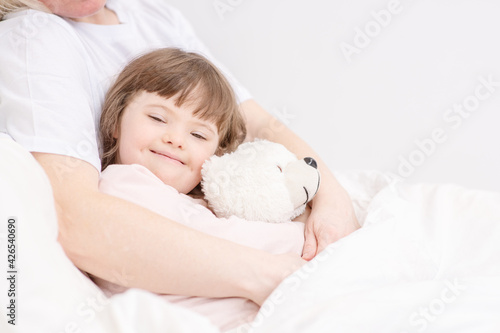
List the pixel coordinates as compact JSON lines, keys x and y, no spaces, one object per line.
{"x":427,"y":259}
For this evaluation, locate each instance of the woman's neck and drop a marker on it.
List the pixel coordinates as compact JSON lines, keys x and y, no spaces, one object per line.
{"x":104,"y":16}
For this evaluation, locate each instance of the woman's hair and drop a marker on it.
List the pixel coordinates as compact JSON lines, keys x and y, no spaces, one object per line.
{"x":169,"y":72}
{"x":7,"y":6}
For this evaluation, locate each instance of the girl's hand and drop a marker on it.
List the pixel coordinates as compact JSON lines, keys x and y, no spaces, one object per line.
{"x":332,"y":218}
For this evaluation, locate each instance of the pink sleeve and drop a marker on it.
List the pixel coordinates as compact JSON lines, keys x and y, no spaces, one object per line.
{"x":137,"y":184}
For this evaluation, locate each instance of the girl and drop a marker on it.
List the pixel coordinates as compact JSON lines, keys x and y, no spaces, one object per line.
{"x":169,"y":111}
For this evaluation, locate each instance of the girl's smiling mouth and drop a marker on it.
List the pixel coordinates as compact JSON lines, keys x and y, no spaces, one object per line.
{"x":171,"y":157}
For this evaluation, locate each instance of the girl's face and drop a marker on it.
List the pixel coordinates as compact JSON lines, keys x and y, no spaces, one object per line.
{"x":166,"y":139}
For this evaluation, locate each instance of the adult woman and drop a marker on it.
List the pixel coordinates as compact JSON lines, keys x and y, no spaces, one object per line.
{"x":59,"y":69}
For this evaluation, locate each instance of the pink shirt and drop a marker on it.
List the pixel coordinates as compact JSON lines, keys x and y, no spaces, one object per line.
{"x":137,"y":184}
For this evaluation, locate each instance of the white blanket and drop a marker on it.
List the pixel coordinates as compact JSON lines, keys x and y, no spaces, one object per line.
{"x":427,"y":259}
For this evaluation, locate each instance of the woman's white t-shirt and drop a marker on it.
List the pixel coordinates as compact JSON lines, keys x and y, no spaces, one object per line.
{"x":54,"y":72}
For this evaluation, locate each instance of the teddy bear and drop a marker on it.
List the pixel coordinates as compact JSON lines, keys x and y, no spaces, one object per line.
{"x":260,"y":181}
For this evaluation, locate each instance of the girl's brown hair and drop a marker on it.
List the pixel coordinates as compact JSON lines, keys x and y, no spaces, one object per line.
{"x":172,"y":72}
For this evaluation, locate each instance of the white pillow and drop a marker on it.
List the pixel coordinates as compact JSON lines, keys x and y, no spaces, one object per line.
{"x":51,"y":294}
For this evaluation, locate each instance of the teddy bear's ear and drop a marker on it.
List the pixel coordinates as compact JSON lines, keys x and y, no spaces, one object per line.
{"x":215,"y":184}
{"x":209,"y":164}
{"x":206,"y":165}
{"x":211,"y":176}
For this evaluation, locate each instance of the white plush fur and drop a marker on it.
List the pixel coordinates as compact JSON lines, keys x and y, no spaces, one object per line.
{"x":260,"y":181}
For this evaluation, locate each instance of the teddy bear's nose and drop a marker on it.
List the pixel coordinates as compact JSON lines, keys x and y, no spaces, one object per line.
{"x":311,"y":161}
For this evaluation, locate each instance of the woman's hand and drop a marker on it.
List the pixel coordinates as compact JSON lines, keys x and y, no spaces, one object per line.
{"x":332,"y":218}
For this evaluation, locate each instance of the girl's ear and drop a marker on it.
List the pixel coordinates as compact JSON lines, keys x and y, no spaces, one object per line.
{"x":116,"y":132}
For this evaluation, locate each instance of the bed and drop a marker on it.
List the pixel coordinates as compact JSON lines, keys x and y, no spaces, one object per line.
{"x":426,"y":259}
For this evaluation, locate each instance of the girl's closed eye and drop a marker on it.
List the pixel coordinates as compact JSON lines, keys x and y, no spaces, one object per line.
{"x":157,"y":118}
{"x":199,"y":136}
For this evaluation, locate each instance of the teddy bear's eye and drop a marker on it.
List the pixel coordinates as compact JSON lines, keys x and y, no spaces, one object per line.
{"x":279,"y":168}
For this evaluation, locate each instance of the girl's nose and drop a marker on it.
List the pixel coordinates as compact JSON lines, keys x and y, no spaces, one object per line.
{"x":174,"y":138}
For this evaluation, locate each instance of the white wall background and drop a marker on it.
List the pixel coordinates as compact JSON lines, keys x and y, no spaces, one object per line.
{"x":368,"y":109}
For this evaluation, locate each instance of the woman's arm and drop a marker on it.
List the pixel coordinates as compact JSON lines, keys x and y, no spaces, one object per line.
{"x":332,"y":215}
{"x":134,"y":247}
